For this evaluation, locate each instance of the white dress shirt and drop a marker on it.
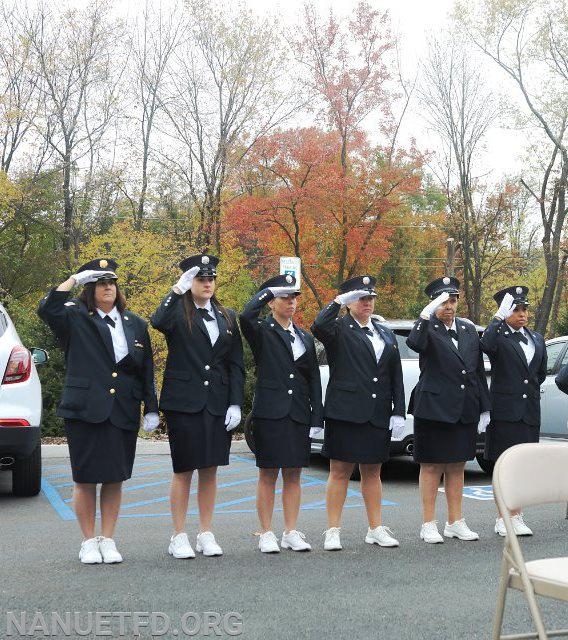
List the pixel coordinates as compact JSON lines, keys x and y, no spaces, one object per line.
{"x":211,"y":325}
{"x":376,"y":340}
{"x":119,"y":343}
{"x":528,"y":348}
{"x":298,"y":346}
{"x":455,"y":328}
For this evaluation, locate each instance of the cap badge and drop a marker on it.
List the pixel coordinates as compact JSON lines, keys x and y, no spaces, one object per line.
{"x":288,"y":278}
{"x":366,"y":280}
{"x":103,"y":264}
{"x":204,"y":259}
{"x":519,"y":289}
{"x":446,"y":280}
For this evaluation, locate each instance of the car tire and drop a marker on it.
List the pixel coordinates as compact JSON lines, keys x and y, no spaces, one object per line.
{"x":248,"y":428}
{"x":486,"y":465}
{"x":356,"y":475}
{"x":26,"y":474}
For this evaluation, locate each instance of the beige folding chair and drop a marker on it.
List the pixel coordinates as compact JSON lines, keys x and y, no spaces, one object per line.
{"x":524,"y":475}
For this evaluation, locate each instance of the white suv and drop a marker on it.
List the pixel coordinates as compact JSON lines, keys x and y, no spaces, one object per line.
{"x":20,"y":410}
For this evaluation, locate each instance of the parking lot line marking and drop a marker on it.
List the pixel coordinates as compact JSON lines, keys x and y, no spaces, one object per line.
{"x":65,"y":513}
{"x":476,"y":492}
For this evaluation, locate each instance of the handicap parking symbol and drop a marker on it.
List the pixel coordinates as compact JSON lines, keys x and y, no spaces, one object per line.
{"x":480,"y":492}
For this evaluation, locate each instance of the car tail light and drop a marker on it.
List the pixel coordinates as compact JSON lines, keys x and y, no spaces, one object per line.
{"x":13,"y":422}
{"x":19,"y":366}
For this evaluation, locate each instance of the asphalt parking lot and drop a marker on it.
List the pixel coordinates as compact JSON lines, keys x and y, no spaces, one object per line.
{"x":415,"y":591}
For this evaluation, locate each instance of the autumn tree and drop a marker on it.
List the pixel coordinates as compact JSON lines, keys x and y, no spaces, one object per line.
{"x":527,"y":41}
{"x":74,"y":51}
{"x":300,"y":202}
{"x":226,"y":90}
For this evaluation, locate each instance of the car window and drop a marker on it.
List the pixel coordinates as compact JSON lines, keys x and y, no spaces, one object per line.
{"x":553,"y":351}
{"x":3,"y":323}
{"x":405,"y":351}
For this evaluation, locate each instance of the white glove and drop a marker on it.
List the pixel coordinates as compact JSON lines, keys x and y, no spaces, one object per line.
{"x":150,"y":422}
{"x":432,"y":306}
{"x":90,"y":275}
{"x":282,"y":292}
{"x":316,"y":432}
{"x":186,"y":280}
{"x":506,"y":307}
{"x":233,"y":417}
{"x":397,"y":425}
{"x":351,"y":296}
{"x":484,"y":420}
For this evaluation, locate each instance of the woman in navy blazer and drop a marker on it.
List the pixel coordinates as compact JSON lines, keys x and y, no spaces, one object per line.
{"x":201,"y":396}
{"x":287,"y":402}
{"x":109,"y":372}
{"x":364,"y":402}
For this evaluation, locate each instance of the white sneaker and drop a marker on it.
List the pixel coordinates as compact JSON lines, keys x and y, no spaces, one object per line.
{"x":180,"y":547}
{"x":332,"y":541}
{"x":295,"y":540}
{"x":519,"y":525}
{"x":109,"y":551}
{"x":459,"y":529}
{"x":500,"y":527}
{"x":207,"y":545}
{"x":90,"y":553}
{"x":429,"y":533}
{"x":268,"y":543}
{"x":382,"y":536}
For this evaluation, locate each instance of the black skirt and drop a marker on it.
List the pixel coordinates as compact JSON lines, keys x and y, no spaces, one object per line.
{"x":444,"y":442}
{"x":281,"y":444}
{"x":356,"y":442}
{"x":197,"y":440}
{"x":100,"y":452}
{"x":501,"y":435}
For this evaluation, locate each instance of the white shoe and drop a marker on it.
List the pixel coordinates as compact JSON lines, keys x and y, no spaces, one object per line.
{"x":207,"y":545}
{"x":382,"y":536}
{"x":459,"y":529}
{"x":90,"y":553}
{"x":109,"y":551}
{"x":295,"y":540}
{"x":332,"y":541}
{"x":180,"y":547}
{"x":500,"y":527}
{"x":519,"y":525}
{"x":429,"y":533}
{"x":268,"y":543}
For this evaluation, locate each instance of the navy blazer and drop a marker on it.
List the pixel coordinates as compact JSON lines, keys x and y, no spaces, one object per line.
{"x":96,"y":387}
{"x":284,"y":386}
{"x":515,"y":385}
{"x":359,"y":389}
{"x":452,"y":386}
{"x":199,"y":375}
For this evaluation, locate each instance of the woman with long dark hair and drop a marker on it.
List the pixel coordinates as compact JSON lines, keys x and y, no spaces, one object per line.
{"x":109,"y":372}
{"x":201,"y":396}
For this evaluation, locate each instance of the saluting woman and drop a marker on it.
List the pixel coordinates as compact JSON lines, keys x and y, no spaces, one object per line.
{"x":201,"y":396}
{"x":109,"y":372}
{"x":364,"y":402}
{"x":518,"y":368}
{"x":449,"y":403}
{"x":287,"y":402}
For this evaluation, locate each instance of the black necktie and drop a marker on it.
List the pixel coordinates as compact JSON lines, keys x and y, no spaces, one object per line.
{"x":452,"y":333}
{"x":204,"y":314}
{"x":367,"y":331}
{"x":290,"y":335}
{"x":109,"y":321}
{"x":519,"y":337}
